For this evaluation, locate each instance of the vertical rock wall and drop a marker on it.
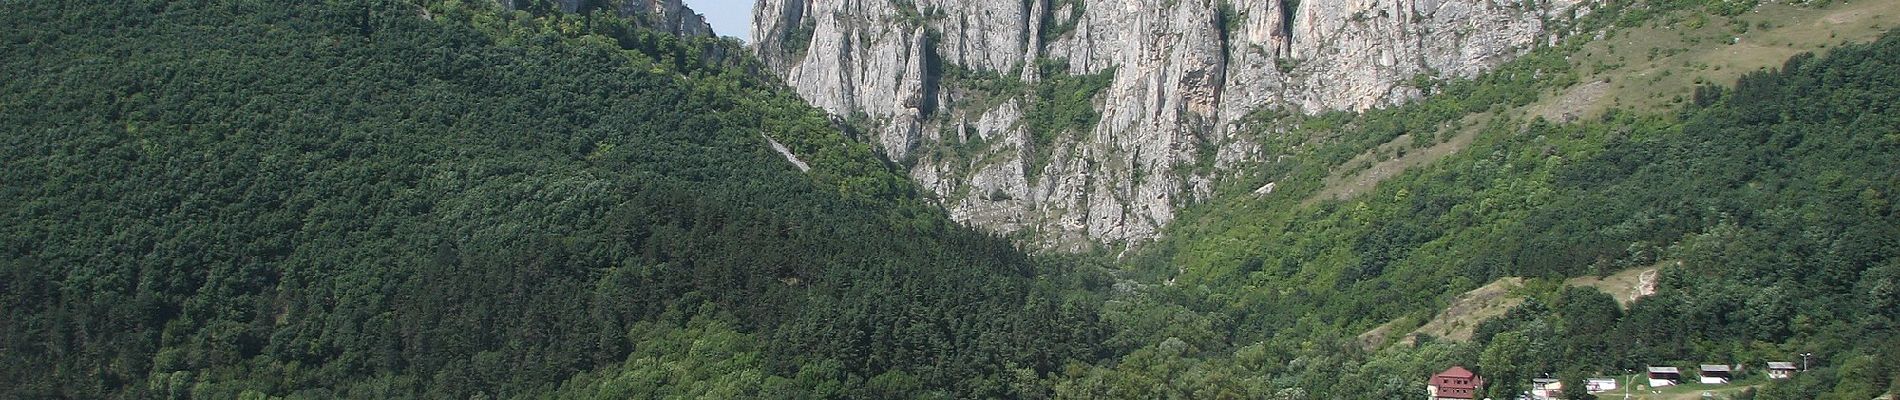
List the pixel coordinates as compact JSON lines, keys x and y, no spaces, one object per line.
{"x":1184,"y":73}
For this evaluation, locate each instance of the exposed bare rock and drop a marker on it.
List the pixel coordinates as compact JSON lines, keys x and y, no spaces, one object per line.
{"x":787,"y":153}
{"x":1185,"y":73}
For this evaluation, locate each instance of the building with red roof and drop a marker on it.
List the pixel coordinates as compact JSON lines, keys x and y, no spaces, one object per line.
{"x":1456,"y":383}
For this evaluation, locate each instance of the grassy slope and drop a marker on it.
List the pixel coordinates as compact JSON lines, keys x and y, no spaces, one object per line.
{"x":1292,"y":272}
{"x":1653,"y":67}
{"x":1619,"y":72}
{"x":1268,"y":246}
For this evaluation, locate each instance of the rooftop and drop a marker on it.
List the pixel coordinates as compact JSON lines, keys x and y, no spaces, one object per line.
{"x":1714,"y":368}
{"x":1457,"y":372}
{"x":1780,"y":365}
{"x":1664,"y":370}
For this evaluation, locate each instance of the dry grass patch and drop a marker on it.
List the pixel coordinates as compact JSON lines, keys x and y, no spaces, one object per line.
{"x":1364,"y":172}
{"x":1656,"y":67}
{"x":1626,"y":286}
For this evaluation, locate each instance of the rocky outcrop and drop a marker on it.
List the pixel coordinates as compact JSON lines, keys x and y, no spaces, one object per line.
{"x":663,"y":15}
{"x":949,"y":86}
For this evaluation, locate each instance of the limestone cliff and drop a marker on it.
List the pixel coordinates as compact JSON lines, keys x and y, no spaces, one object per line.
{"x":953,"y":88}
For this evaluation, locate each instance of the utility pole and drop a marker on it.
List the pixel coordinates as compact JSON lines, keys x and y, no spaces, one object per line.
{"x":1629,"y":377}
{"x":1804,"y":361}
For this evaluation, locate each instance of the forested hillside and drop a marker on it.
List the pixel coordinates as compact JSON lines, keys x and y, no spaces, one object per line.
{"x":374,"y":199}
{"x":1767,"y":203}
{"x":443,"y":199}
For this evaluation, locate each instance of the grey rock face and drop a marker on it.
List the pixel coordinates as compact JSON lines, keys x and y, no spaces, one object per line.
{"x":1185,"y":73}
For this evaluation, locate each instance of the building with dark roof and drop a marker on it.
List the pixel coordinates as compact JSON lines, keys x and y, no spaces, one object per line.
{"x":1664,"y":376}
{"x":1715,"y":374}
{"x":1780,"y":370}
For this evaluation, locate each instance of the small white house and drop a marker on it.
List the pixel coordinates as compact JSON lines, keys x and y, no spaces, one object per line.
{"x":1714,"y":374}
{"x":1780,"y":370}
{"x":1599,"y":385}
{"x":1664,"y":376}
{"x":1546,"y":388}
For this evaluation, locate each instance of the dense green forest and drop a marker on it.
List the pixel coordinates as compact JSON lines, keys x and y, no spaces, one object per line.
{"x":370,"y":199}
{"x":443,"y":199}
